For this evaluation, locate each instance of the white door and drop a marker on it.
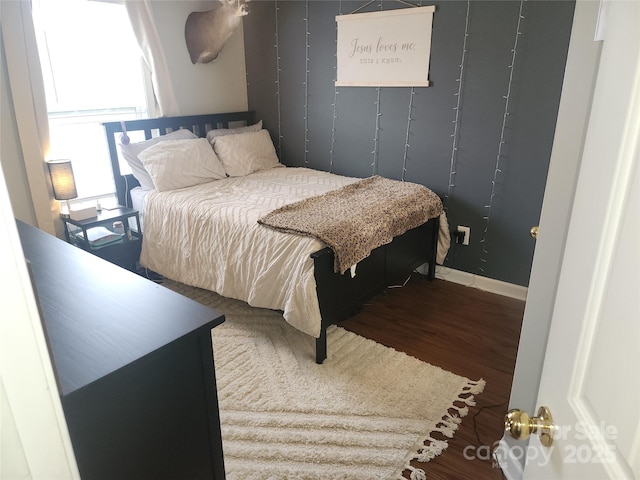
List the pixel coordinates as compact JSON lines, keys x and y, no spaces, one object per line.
{"x":591,"y":375}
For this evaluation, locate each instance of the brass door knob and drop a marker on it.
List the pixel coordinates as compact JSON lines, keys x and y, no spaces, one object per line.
{"x":534,"y":232}
{"x":520,"y":425}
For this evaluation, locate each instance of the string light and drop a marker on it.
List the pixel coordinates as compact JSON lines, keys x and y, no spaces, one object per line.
{"x":306,"y":84}
{"x":406,"y":138}
{"x":376,"y":138}
{"x":277,"y":47}
{"x":456,"y":121}
{"x":499,"y":156}
{"x":335,"y":97}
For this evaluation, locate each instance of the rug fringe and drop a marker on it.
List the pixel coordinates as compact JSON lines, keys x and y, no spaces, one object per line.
{"x":475,"y":387}
{"x":417,"y":474}
{"x":447,"y":426}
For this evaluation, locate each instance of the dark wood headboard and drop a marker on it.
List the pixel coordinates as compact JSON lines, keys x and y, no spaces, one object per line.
{"x":153,"y":127}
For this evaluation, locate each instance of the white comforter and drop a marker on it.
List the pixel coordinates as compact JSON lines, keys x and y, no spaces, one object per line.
{"x":208,"y":236}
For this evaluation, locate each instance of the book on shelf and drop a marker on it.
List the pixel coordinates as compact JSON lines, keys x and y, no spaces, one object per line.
{"x":99,"y":237}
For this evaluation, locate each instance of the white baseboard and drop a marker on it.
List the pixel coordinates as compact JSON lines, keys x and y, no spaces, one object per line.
{"x":483,"y":283}
{"x":511,"y":467}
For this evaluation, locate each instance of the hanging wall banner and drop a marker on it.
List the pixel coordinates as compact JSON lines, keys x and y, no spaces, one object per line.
{"x":388,"y":48}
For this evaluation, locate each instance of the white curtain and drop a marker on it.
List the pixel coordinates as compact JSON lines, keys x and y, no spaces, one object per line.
{"x":30,"y":106}
{"x":144,"y":27}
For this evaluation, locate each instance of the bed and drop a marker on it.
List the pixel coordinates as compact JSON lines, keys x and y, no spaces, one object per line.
{"x":216,"y":234}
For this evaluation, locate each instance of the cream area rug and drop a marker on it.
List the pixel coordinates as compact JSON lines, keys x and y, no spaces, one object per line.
{"x":365,"y":413}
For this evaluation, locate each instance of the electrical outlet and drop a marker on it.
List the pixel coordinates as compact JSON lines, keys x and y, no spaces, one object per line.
{"x":467,"y":233}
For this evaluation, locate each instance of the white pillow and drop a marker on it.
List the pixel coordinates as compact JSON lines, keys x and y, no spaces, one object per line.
{"x":221,"y":132}
{"x":131,"y":151}
{"x":246,"y":153}
{"x":175,"y":164}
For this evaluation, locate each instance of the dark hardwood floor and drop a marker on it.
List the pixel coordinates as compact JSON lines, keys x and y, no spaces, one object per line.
{"x":465,"y":331}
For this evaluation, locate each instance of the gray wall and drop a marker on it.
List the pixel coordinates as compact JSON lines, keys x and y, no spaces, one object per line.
{"x":344,"y":143}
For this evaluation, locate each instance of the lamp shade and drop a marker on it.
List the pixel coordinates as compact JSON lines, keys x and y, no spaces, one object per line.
{"x":64,"y":185}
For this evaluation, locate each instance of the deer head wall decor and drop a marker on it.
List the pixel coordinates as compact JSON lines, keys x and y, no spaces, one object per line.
{"x":207,"y":32}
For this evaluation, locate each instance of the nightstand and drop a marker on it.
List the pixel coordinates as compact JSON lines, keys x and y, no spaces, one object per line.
{"x":99,"y":236}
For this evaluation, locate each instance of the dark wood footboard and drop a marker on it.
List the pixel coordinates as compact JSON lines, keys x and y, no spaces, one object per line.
{"x":340,"y":296}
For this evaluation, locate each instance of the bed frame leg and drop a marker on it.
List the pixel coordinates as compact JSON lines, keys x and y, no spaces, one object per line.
{"x":431,"y":273}
{"x":321,"y":346}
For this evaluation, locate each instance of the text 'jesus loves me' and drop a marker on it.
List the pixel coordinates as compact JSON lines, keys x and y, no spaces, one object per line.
{"x":380,"y":47}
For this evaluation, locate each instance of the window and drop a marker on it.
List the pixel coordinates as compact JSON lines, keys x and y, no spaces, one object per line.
{"x":93,"y":72}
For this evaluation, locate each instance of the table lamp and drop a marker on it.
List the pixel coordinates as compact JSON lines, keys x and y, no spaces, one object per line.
{"x":63,"y":182}
{"x":64,"y":188}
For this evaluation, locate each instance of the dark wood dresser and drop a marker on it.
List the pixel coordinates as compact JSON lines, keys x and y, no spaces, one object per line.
{"x":134,"y":365}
